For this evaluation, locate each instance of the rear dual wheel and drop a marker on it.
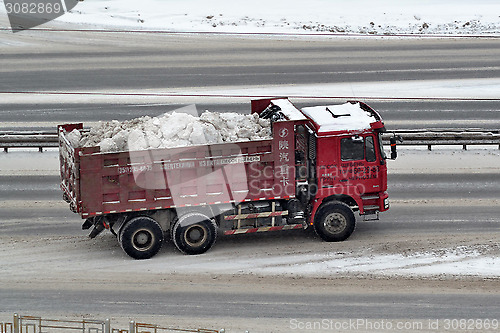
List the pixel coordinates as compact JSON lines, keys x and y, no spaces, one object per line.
{"x":141,"y":237}
{"x":194,"y":233}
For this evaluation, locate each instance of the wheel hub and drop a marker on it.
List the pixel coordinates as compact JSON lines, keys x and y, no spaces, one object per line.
{"x":142,"y":240}
{"x":195,"y":235}
{"x":335,"y":223}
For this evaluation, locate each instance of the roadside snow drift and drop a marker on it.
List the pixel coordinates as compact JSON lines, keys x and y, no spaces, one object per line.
{"x":314,"y":16}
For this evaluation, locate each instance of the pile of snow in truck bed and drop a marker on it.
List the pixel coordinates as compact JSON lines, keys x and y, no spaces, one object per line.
{"x":172,"y":130}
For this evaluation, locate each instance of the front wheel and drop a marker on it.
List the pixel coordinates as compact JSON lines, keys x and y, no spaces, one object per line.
{"x":141,"y":237}
{"x":194,"y":233}
{"x":334,"y":221}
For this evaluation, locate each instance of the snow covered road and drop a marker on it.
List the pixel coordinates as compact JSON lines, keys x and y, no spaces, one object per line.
{"x":427,"y":258}
{"x":428,"y":232}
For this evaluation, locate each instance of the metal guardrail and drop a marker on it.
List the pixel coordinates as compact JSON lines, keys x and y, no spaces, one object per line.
{"x":418,"y":137}
{"x":28,"y":139}
{"x":31,"y":324}
{"x":441,"y":137}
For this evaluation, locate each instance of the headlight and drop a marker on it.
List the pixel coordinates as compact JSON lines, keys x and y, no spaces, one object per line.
{"x":386,"y":203}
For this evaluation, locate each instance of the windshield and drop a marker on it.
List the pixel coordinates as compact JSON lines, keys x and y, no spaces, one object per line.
{"x":381,"y":145}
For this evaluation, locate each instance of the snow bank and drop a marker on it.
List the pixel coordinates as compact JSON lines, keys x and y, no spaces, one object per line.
{"x":172,"y":130}
{"x":316,"y":16}
{"x":476,"y":260}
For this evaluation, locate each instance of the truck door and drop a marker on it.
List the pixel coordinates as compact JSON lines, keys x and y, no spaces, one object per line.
{"x":359,"y":165}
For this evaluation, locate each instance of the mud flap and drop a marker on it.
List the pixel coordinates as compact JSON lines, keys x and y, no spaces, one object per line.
{"x":97,"y":221}
{"x":88,"y":223}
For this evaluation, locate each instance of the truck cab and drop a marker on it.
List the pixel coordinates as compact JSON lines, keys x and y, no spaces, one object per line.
{"x":351,"y":163}
{"x":345,"y":163}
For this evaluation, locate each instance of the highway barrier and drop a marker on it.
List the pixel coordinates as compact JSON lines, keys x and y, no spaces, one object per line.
{"x":441,"y":137}
{"x":416,"y":137}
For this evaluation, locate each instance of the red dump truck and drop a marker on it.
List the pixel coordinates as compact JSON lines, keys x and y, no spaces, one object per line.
{"x":321,"y":165}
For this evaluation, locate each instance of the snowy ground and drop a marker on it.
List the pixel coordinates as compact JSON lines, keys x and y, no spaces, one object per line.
{"x":487,"y":88}
{"x":479,"y":17}
{"x":60,"y":256}
{"x":74,"y":256}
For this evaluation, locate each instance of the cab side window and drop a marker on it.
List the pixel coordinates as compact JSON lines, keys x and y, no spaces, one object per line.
{"x":358,"y":148}
{"x":352,"y":149}
{"x":370,"y":149}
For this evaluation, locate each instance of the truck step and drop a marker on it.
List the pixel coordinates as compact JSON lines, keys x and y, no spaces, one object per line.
{"x":255,"y":215}
{"x":371,"y":207}
{"x":370,"y":197}
{"x":264,"y":229}
{"x":372,"y":216}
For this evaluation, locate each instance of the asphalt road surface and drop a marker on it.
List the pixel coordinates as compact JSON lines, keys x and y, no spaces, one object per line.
{"x":247,"y":305}
{"x":95,"y":61}
{"x":141,"y":63}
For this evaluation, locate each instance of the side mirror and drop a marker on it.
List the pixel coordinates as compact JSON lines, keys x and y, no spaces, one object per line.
{"x":394,"y":151}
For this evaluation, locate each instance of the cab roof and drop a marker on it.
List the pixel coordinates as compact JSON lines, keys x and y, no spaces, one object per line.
{"x":351,"y":116}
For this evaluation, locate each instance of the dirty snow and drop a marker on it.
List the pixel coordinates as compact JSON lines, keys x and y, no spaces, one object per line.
{"x":314,"y":16}
{"x":459,"y":261}
{"x":174,"y":129}
{"x":292,"y":255}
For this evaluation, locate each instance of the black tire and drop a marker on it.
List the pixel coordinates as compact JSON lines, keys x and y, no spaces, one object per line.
{"x":141,"y":237}
{"x":194,"y":233}
{"x":334,"y":221}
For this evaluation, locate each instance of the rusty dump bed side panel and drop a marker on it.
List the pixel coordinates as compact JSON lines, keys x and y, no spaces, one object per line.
{"x":69,"y":166}
{"x":103,"y":183}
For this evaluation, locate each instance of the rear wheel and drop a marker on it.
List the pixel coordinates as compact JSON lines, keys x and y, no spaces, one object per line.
{"x":141,"y":237}
{"x":194,"y":233}
{"x":334,"y":221}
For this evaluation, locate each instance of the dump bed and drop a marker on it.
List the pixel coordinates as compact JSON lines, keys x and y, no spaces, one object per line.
{"x":97,"y":183}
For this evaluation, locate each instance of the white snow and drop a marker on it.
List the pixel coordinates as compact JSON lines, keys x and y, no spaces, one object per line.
{"x":451,"y":89}
{"x":74,"y":138}
{"x":174,"y":129}
{"x":344,"y":117}
{"x":486,"y":88}
{"x":288,"y":109}
{"x":29,"y":161}
{"x":294,"y":16}
{"x":461,"y":261}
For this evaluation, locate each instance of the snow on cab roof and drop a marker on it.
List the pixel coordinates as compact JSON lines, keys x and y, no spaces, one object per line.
{"x":344,"y":117}
{"x":288,"y":109}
